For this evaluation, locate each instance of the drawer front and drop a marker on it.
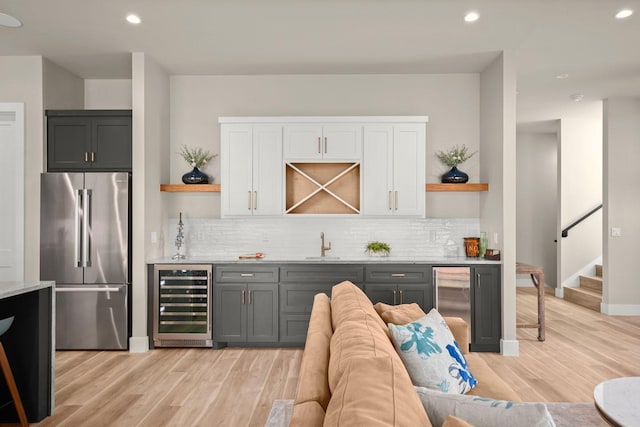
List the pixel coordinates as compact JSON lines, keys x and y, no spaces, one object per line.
{"x":246,"y":274}
{"x":397,"y":274}
{"x":330,"y":274}
{"x":296,"y":298}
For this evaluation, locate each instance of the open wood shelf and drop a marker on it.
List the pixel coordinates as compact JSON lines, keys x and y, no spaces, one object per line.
{"x":480,"y":186}
{"x":192,"y":188}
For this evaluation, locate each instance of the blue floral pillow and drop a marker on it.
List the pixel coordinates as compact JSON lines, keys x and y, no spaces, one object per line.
{"x":431,"y":355}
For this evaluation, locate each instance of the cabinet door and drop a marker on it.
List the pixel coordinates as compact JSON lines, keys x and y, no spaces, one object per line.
{"x":409,"y":170}
{"x":111,"y":143}
{"x":341,"y":142}
{"x":68,"y":143}
{"x":267,"y":170}
{"x":231,"y":312}
{"x":303,"y":142}
{"x":486,"y":327}
{"x":377,"y":170}
{"x":236,"y":151}
{"x":381,"y":292}
{"x":420,"y":294}
{"x":262,"y":313}
{"x":296,"y":302}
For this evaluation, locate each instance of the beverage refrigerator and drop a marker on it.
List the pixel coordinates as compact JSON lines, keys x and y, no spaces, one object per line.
{"x":85,"y":249}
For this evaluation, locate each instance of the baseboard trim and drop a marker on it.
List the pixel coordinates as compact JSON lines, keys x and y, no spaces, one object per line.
{"x":509,"y":347}
{"x":138,"y":344}
{"x":620,"y":309}
{"x":560,"y":292}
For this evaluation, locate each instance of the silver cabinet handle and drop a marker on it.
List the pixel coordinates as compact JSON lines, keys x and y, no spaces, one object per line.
{"x":88,"y":289}
{"x":397,"y":274}
{"x":86,"y":157}
{"x":86,"y":225}
{"x":249,"y":200}
{"x":394,"y":297}
{"x":325,"y":145}
{"x":243,"y":297}
{"x":390,"y":202}
{"x":255,"y":200}
{"x":396,"y":199}
{"x":249,"y":297}
{"x":319,"y":144}
{"x":478,"y":279}
{"x":401,"y":298}
{"x":246,"y":274}
{"x":93,"y":156}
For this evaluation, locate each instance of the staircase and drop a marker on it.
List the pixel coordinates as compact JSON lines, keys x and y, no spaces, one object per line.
{"x":589,"y":293}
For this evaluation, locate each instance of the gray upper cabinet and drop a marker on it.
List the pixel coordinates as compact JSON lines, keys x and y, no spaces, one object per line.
{"x":89,"y":140}
{"x":486,"y":323}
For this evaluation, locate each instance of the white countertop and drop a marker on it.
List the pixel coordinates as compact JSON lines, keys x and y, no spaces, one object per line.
{"x":9,"y":289}
{"x":326,"y":260}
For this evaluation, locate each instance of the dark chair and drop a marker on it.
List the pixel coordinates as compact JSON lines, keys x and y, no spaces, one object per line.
{"x":5,"y":324}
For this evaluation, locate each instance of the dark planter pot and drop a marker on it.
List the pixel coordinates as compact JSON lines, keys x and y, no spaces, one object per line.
{"x":454,"y":176}
{"x":195,"y":177}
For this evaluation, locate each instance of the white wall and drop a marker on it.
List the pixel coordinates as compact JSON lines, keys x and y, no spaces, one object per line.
{"x":62,"y":89}
{"x":150,"y":102}
{"x":451,"y":101}
{"x":580,"y":190}
{"x":497,"y":167}
{"x":107,"y":94}
{"x":21,"y":81}
{"x":621,"y":293}
{"x":537,"y":188}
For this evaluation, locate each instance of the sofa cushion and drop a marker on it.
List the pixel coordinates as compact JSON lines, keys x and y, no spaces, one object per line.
{"x":375,"y":391}
{"x":489,"y":383}
{"x":481,"y":411}
{"x":452,"y":421}
{"x":431,"y":355}
{"x":313,"y":384}
{"x":356,"y":338}
{"x":307,"y":414}
{"x":348,"y":302}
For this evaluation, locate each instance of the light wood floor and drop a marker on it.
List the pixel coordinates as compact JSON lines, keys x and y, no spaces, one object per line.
{"x":236,"y":387}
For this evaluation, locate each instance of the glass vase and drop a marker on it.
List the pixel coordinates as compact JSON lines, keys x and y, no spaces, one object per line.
{"x":483,"y":243}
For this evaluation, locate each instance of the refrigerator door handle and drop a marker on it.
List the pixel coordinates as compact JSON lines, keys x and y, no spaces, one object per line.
{"x":86,"y":224}
{"x":88,"y":289}
{"x":78,"y":229}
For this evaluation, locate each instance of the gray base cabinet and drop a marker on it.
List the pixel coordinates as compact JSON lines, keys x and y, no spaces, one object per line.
{"x":486,"y":309}
{"x":399,"y":284}
{"x":246,"y":308}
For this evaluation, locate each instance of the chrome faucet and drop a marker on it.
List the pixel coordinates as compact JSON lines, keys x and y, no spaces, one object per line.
{"x":323,"y":248}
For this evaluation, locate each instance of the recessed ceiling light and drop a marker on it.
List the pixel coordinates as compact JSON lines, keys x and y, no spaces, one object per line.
{"x":577,"y":97}
{"x":562,"y":76}
{"x":471,"y":17}
{"x":9,"y":21}
{"x":133,"y":19}
{"x":624,"y":13}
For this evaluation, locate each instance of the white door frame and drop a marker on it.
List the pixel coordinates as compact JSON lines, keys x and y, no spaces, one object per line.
{"x":14,"y":111}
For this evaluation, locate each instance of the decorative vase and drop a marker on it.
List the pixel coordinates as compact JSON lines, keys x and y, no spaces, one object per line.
{"x":483,"y":243}
{"x":378,"y":254}
{"x":195,"y":177}
{"x":454,"y":176}
{"x":472,"y":246}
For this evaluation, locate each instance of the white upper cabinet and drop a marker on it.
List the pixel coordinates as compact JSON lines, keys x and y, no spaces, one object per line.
{"x":394,"y":169}
{"x":322,"y":142}
{"x":251,"y":169}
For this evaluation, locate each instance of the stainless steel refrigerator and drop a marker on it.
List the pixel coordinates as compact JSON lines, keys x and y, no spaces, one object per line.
{"x":84,"y":247}
{"x":453,"y":291}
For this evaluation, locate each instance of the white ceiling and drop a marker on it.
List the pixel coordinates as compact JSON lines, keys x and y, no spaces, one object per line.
{"x":548,"y":37}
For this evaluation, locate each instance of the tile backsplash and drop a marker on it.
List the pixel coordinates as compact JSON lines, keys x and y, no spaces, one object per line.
{"x":282,"y":238}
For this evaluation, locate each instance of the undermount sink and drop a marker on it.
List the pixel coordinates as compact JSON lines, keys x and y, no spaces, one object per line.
{"x":322,"y":258}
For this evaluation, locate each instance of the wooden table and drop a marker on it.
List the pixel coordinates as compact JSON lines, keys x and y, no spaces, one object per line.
{"x":537,"y":277}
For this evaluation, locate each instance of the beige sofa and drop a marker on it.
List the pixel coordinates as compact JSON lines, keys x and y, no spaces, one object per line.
{"x":351,"y":375}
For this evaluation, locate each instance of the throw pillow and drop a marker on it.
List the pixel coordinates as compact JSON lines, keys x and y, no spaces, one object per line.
{"x":431,"y":354}
{"x":399,"y":314}
{"x":481,"y":411}
{"x":452,"y":421}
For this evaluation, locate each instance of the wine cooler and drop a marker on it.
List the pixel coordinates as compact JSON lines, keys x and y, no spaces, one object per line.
{"x":182,"y":306}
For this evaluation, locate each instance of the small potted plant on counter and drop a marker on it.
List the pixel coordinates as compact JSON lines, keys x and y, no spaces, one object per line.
{"x":452,"y":158}
{"x":196,"y":158}
{"x":378,"y":249}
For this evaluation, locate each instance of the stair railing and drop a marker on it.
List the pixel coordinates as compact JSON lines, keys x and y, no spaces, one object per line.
{"x":565,"y":232}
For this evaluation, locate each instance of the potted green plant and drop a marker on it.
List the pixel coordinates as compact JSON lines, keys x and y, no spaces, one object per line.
{"x":196,"y":158}
{"x":378,"y":249}
{"x":452,"y":158}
